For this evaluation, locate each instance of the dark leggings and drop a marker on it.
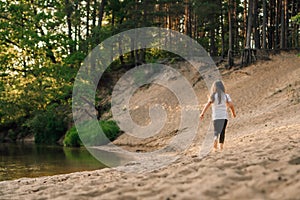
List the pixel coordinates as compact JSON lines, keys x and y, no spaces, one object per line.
{"x":219,"y":129}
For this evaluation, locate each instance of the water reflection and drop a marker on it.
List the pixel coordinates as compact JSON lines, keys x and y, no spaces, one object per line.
{"x":109,"y":157}
{"x":29,"y":160}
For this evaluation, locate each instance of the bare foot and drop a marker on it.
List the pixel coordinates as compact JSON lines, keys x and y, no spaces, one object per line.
{"x":221,"y":146}
{"x":215,"y":144}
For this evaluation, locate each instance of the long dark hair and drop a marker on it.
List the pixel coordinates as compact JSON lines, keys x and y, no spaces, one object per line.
{"x":217,"y":88}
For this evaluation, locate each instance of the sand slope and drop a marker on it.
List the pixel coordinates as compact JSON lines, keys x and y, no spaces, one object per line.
{"x":261,"y":159}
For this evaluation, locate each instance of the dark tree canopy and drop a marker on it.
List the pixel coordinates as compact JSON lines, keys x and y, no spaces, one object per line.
{"x":42,"y":43}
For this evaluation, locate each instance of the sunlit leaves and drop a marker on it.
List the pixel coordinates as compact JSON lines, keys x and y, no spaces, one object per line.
{"x":33,"y":46}
{"x":296,"y":18}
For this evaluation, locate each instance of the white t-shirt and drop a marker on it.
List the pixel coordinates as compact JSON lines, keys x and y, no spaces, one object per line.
{"x":219,"y":111}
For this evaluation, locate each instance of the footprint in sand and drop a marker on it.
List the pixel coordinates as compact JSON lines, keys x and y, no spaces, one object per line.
{"x":295,"y":161}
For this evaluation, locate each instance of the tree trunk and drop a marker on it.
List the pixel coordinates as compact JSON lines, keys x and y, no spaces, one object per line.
{"x":121,"y":56}
{"x":271,"y":32}
{"x":195,"y":27}
{"x":87,"y":26}
{"x":77,"y":25}
{"x":132,"y":44}
{"x":186,"y":17}
{"x":230,"y":39}
{"x":222,"y":31}
{"x":190,"y":21}
{"x":94,"y":14}
{"x":235,"y":26}
{"x":245,"y":21}
{"x":256,"y":24}
{"x":286,"y":22}
{"x":248,"y":55}
{"x":213,"y":49}
{"x":168,"y":17}
{"x":282,"y":23}
{"x":249,"y":24}
{"x":101,"y":12}
{"x":264,"y":37}
{"x":277,"y":19}
{"x":69,"y":11}
{"x":87,"y":18}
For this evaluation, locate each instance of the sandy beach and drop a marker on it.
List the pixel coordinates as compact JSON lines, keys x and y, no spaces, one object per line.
{"x":261,"y":159}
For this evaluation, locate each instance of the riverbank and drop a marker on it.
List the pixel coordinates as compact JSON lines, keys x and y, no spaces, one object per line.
{"x":260,"y":160}
{"x":263,"y":165}
{"x":32,"y":160}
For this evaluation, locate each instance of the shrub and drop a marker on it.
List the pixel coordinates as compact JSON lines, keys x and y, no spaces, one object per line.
{"x":11,"y":134}
{"x":89,"y":134}
{"x":110,"y":129}
{"x":72,"y":138}
{"x":48,"y":127}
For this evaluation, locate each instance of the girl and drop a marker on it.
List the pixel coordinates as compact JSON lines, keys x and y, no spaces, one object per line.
{"x":219,"y":101}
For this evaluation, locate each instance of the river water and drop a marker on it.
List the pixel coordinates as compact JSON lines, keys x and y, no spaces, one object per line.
{"x":30,"y":160}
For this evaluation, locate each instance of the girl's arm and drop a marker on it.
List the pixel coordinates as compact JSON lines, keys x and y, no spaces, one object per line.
{"x":205,"y":109}
{"x":230,"y":105}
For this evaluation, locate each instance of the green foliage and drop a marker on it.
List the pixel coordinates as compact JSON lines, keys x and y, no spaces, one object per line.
{"x":110,"y":128}
{"x":296,"y":18}
{"x":81,"y":155}
{"x":12,"y":135}
{"x":48,"y":126}
{"x":89,"y":134}
{"x":43,"y":43}
{"x":75,"y":58}
{"x":155,"y":54}
{"x":72,"y":138}
{"x":35,"y":70}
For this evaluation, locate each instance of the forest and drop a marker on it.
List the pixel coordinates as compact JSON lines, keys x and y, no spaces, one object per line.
{"x":43,"y":43}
